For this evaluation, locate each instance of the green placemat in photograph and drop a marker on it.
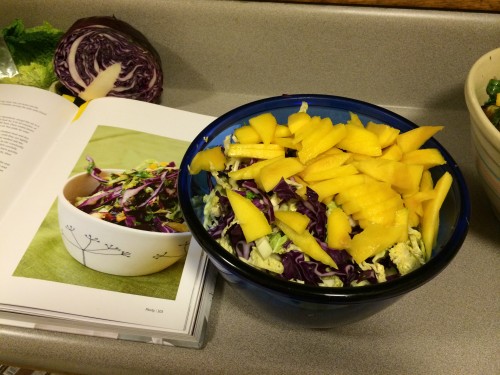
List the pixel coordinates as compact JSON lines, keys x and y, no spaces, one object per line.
{"x":47,"y":259}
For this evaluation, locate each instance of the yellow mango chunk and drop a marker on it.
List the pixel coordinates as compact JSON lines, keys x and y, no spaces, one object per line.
{"x":308,"y":244}
{"x":330,"y":139}
{"x":430,"y":218}
{"x":372,"y":193}
{"x":282,"y":131}
{"x":338,"y":229}
{"x":307,"y":129}
{"x":210,"y":159}
{"x":257,"y":151}
{"x":386,"y":134}
{"x":392,"y":152}
{"x":252,"y":220}
{"x":413,"y":202}
{"x":405,"y":178}
{"x":287,"y":142}
{"x":360,"y":141}
{"x":265,"y":125}
{"x":379,"y":213}
{"x":427,"y":157}
{"x":295,"y":220}
{"x":343,"y":170}
{"x":297,"y":121}
{"x":328,"y":188}
{"x":247,"y":134}
{"x":324,"y":162}
{"x":317,"y":132}
{"x":401,"y":222}
{"x":426,"y":183}
{"x":271,"y":174}
{"x":369,"y":186}
{"x":251,"y":171}
{"x":372,"y":240}
{"x":413,"y":139}
{"x":354,"y":120}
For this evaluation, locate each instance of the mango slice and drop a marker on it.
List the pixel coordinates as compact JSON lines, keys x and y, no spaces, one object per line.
{"x":295,"y":220}
{"x":430,"y":218}
{"x":282,"y":131}
{"x":413,"y":139}
{"x":360,"y":141}
{"x":331,"y":138}
{"x":338,"y":229}
{"x":271,"y":174}
{"x":405,"y":178}
{"x":372,"y":240}
{"x":428,"y":157}
{"x":330,"y":187}
{"x":252,"y":171}
{"x":297,"y":121}
{"x":355,"y":120}
{"x":325,"y":162}
{"x":392,"y":152}
{"x":426,"y":183}
{"x":247,"y":134}
{"x":253,"y":222}
{"x":308,"y":244}
{"x":211,"y":159}
{"x":343,"y":170}
{"x":265,"y":125}
{"x":386,"y":134}
{"x":287,"y":142}
{"x":255,"y":150}
{"x":414,"y":204}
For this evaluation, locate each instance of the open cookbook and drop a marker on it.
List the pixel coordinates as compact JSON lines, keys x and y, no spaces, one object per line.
{"x":44,"y":139}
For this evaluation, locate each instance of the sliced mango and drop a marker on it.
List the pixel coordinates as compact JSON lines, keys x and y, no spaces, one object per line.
{"x":343,"y":170}
{"x":405,"y":178}
{"x":308,"y":244}
{"x":355,"y":120}
{"x":386,"y":134}
{"x":297,"y":121}
{"x":210,"y":159}
{"x":360,"y":141}
{"x":287,"y":142}
{"x":251,"y":171}
{"x":330,"y":139}
{"x":325,"y":163}
{"x":307,"y":129}
{"x":255,"y":150}
{"x":265,"y":125}
{"x":247,"y":134}
{"x":252,"y":220}
{"x":372,"y":240}
{"x":295,"y":220}
{"x":426,"y":183}
{"x":330,"y":187}
{"x":427,"y":157}
{"x":271,"y":174}
{"x":430,"y":218}
{"x":413,"y":139}
{"x":338,"y":229}
{"x":282,"y":131}
{"x":392,"y":152}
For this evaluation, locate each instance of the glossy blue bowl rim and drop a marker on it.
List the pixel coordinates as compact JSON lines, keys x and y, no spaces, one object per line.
{"x":326,"y":295}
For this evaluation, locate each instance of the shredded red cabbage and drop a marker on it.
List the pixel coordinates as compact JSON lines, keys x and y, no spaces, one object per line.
{"x":142,"y":198}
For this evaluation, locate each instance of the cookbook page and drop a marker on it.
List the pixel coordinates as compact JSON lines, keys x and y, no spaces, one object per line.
{"x":39,"y":276}
{"x":30,"y":120}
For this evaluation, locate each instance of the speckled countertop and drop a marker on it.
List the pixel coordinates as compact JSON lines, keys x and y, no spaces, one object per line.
{"x":220,"y":54}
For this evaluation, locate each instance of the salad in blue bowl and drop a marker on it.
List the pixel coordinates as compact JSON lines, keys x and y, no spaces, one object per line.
{"x":322,"y":210}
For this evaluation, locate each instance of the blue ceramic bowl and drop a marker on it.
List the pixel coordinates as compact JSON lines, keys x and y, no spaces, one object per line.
{"x":303,"y":305}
